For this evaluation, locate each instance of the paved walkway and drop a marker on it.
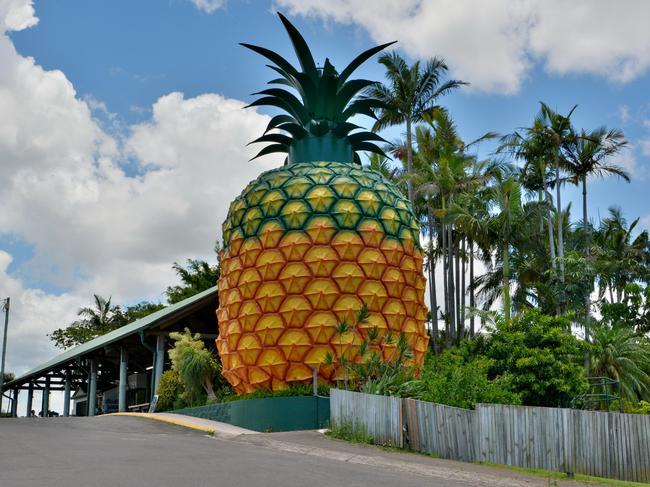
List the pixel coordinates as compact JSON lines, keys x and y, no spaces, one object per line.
{"x":199,"y":424}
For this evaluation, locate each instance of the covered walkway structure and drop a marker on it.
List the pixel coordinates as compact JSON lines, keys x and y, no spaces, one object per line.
{"x":120,"y":370}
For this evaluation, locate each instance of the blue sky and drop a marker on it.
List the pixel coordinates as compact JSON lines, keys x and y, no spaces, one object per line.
{"x":124,"y":139}
{"x":126,"y":55}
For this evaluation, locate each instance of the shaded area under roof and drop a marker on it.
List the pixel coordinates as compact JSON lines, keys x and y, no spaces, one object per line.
{"x":153,"y":320}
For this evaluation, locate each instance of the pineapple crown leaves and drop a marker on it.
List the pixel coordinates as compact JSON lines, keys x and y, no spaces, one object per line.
{"x":327,"y":99}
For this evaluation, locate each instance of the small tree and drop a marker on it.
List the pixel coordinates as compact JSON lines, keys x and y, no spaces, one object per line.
{"x":195,"y":365}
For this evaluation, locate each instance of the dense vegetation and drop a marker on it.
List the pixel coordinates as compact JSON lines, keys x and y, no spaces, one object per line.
{"x":560,"y":300}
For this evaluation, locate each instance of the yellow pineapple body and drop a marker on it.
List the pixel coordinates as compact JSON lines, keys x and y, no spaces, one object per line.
{"x":305,"y":247}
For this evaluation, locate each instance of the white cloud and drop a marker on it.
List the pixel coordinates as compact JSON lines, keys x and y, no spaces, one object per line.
{"x":624,"y":114}
{"x":627,"y":159}
{"x":208,"y":6}
{"x":93,"y":227}
{"x":494,"y":44}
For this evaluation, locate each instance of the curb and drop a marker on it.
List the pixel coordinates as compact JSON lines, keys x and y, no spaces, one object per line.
{"x":164,"y":419}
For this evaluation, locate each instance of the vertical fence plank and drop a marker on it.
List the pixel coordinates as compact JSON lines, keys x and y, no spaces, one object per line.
{"x":612,"y":445}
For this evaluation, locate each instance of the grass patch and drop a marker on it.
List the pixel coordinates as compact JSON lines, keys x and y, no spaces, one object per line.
{"x":562,"y":476}
{"x":354,"y":433}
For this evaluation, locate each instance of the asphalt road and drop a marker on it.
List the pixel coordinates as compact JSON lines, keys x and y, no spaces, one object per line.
{"x":125,"y":452}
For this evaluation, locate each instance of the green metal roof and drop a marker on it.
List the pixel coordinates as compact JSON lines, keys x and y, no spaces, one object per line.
{"x":142,"y":324}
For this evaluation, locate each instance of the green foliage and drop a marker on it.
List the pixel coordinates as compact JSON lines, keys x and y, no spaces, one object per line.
{"x":139,"y":311}
{"x":8,"y":377}
{"x":633,"y":311}
{"x":570,"y":289}
{"x":624,"y":356}
{"x":327,"y":100}
{"x":457,"y":379}
{"x":92,"y":322}
{"x":197,"y":276}
{"x":642,"y":408}
{"x":169,"y":390}
{"x":195,"y":365}
{"x":542,"y":359}
{"x":354,"y":433}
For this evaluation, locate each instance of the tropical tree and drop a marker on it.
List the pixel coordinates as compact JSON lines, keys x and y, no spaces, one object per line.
{"x":557,"y":133}
{"x":621,"y":258}
{"x":496,"y":225}
{"x":411,"y":94}
{"x":195,"y":365}
{"x":588,"y":155}
{"x":196,"y":276}
{"x":622,"y":355}
{"x":93,"y":321}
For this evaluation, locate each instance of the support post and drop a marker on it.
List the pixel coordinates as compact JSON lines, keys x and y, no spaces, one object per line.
{"x":92,"y":388}
{"x":160,"y":362}
{"x":30,"y":399}
{"x":14,"y":404}
{"x":123,"y":380}
{"x":45,"y":401}
{"x":66,"y":394}
{"x":4,"y":349}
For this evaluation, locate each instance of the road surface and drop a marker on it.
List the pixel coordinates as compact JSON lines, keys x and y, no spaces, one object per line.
{"x":124,"y":452}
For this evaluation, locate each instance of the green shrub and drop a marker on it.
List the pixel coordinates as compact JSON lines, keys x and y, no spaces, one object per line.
{"x":354,"y":433}
{"x":169,"y":390}
{"x":540,"y":357}
{"x":452,"y":380}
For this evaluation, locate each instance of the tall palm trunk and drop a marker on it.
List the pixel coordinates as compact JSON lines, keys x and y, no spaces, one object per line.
{"x":409,"y":161}
{"x":471,"y":287}
{"x":463,"y":287}
{"x":506,"y":282}
{"x":586,"y":230}
{"x":432,"y":286}
{"x":450,"y":285}
{"x":560,"y":220}
{"x":551,"y":237}
{"x":445,"y":293}
{"x":459,"y":323}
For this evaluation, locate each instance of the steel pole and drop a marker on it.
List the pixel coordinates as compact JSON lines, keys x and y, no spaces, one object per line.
{"x":4,"y":349}
{"x":66,"y":394}
{"x":122,"y":385}
{"x":92,"y":388}
{"x":30,"y":399}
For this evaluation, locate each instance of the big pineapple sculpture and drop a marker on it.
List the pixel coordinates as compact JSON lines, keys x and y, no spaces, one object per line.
{"x":307,"y":245}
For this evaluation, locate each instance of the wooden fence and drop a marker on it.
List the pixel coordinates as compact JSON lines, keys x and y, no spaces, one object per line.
{"x":446,"y":431}
{"x":602,"y":444}
{"x":378,"y":416}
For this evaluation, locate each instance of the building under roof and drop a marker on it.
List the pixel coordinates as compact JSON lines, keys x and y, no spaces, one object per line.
{"x":112,"y":360}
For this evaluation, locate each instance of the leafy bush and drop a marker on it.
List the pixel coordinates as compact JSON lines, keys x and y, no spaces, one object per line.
{"x":453,"y":380}
{"x":169,"y":390}
{"x":540,"y":356}
{"x":195,"y":365}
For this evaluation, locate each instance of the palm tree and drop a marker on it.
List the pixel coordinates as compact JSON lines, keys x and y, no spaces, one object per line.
{"x":620,"y":258}
{"x":102,"y":317}
{"x":496,"y":225}
{"x":528,"y":144}
{"x":622,"y":355}
{"x":411,"y":94}
{"x":557,"y":133}
{"x":587,"y":156}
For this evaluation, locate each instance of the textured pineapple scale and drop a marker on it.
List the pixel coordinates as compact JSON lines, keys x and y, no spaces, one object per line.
{"x":305,"y":247}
